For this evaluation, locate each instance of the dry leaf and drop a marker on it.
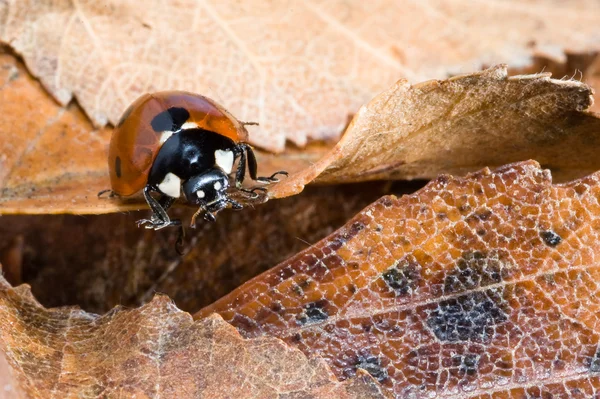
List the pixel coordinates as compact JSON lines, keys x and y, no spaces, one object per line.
{"x":478,"y":287}
{"x":461,"y":124}
{"x":297,"y":68}
{"x":151,"y":352}
{"x":56,"y":162}
{"x":53,"y":161}
{"x":592,"y":76}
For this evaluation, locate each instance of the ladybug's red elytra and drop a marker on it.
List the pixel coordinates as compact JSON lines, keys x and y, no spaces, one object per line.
{"x":173,"y":140}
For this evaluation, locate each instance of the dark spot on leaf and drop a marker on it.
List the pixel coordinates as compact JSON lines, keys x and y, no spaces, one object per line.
{"x":550,"y":238}
{"x":593,"y":363}
{"x":483,"y":215}
{"x":387,"y":202}
{"x":474,"y":269}
{"x":170,"y":120}
{"x":276,"y":307}
{"x":314,"y":312}
{"x":404,"y":277}
{"x":467,"y":364}
{"x":372,"y":365}
{"x":472,"y":317}
{"x":352,"y":288}
{"x":345,"y":235}
{"x":118,"y":166}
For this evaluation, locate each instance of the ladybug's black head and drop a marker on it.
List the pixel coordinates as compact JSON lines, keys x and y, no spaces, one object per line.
{"x":208,"y":188}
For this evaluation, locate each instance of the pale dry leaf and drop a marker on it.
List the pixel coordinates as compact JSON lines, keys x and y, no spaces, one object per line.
{"x":485,"y":287}
{"x":299,"y":68}
{"x":52,"y":160}
{"x":156,"y":351}
{"x":460,"y":125}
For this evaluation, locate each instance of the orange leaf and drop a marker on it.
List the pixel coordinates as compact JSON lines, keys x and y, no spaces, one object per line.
{"x":476,"y":287}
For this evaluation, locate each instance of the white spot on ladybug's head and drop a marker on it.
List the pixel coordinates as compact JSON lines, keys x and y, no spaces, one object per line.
{"x":189,"y":125}
{"x":218,"y":185}
{"x":224,"y":160}
{"x":164,"y":136}
{"x":171,"y":185}
{"x":200,"y":194}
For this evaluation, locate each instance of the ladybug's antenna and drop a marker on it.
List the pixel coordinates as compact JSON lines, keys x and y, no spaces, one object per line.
{"x":249,"y":123}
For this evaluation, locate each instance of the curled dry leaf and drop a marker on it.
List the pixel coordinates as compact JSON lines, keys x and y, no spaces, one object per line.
{"x":462,"y":124}
{"x":54,"y":162}
{"x":298,"y":70}
{"x":478,"y":287}
{"x":151,"y":352}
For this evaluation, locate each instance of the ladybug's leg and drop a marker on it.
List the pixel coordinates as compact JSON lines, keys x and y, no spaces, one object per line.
{"x":111,"y":194}
{"x":245,"y":151}
{"x":159,"y":218}
{"x":240,"y":173}
{"x":253,"y":167}
{"x":166,"y":201}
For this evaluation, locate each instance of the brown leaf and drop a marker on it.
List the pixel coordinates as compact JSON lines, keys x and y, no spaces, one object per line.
{"x":299,"y":71}
{"x":592,"y":77}
{"x":151,"y":352}
{"x":476,"y":287}
{"x":56,"y":162}
{"x":53,"y":161}
{"x":462,"y":124}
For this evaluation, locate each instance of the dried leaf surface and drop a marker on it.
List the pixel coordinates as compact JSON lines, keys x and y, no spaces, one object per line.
{"x":477,"y":287}
{"x":460,"y":125}
{"x":53,"y":161}
{"x":151,"y":352}
{"x":299,"y":69}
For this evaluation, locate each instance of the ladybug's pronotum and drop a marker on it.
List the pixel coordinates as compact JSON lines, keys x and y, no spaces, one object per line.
{"x":173,"y":140}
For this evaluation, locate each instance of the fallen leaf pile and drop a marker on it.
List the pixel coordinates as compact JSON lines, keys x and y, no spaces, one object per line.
{"x":477,"y":287}
{"x":481,"y":284}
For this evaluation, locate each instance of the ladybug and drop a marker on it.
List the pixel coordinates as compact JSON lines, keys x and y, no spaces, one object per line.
{"x":173,"y":141}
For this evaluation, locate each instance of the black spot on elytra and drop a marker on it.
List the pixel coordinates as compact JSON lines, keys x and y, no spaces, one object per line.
{"x":550,"y":238}
{"x":314,"y":312}
{"x":125,"y":115}
{"x":404,"y":277}
{"x":474,"y":269}
{"x":472,"y":317}
{"x":372,"y":365}
{"x":467,"y":364}
{"x":171,"y":119}
{"x":593,"y":363}
{"x":118,"y":166}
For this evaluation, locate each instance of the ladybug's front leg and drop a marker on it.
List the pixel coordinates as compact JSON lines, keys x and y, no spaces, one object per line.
{"x":159,"y":218}
{"x":245,"y":151}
